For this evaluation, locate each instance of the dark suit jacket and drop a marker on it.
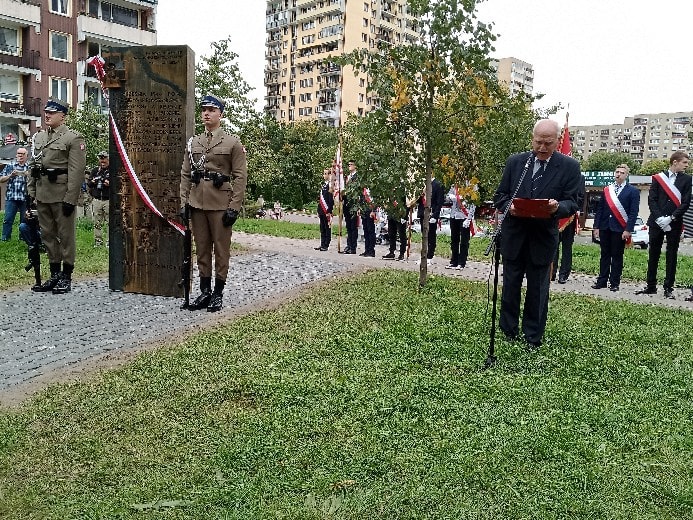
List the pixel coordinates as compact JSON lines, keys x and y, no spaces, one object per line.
{"x":661,"y":205}
{"x":437,"y":199}
{"x":561,"y":181}
{"x":329,"y":198}
{"x":604,"y":218}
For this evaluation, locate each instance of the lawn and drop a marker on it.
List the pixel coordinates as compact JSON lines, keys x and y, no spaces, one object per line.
{"x":365,"y":399}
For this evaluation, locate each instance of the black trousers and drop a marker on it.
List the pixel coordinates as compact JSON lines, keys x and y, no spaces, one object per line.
{"x":459,"y":242}
{"x":325,"y":231}
{"x":352,"y":230}
{"x":396,"y":228}
{"x":432,"y":240}
{"x":612,"y":245}
{"x":368,"y":232}
{"x":566,"y":238}
{"x":656,"y":241}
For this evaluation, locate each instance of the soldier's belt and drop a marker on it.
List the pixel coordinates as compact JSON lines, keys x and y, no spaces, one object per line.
{"x":53,"y":171}
{"x":210,"y":176}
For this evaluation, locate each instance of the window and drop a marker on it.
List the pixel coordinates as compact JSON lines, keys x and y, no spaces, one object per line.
{"x":120,"y":15}
{"x":60,"y":89}
{"x":59,"y":6}
{"x":60,"y":46}
{"x":9,"y":88}
{"x":9,"y":41}
{"x":95,"y":97}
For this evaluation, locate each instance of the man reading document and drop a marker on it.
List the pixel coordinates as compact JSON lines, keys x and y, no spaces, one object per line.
{"x":530,"y":229}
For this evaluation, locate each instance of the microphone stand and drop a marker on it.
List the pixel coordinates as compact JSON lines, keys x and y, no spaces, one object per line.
{"x":494,"y":245}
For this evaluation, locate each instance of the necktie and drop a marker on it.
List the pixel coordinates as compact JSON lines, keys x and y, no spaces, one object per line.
{"x":536,"y":177}
{"x":618,"y":189}
{"x":209,"y":137}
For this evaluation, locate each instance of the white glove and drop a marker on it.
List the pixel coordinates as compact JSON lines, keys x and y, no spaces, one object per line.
{"x":432,"y":220}
{"x":666,"y":228}
{"x":664,"y":222}
{"x":403,"y":221}
{"x":466,"y":223}
{"x":658,"y":220}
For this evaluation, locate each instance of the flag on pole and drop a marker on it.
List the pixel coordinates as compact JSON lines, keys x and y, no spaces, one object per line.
{"x":338,"y":173}
{"x":564,"y":145}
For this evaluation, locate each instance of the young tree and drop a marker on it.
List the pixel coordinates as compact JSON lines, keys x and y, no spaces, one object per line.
{"x":90,"y":121}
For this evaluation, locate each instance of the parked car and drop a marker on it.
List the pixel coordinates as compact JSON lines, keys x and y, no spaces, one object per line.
{"x":640,"y":236}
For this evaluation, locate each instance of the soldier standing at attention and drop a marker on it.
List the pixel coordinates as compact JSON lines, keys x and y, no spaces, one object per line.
{"x":59,"y":157}
{"x":212,"y":186}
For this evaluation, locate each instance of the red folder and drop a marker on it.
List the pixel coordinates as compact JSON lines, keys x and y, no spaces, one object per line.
{"x":532,"y":208}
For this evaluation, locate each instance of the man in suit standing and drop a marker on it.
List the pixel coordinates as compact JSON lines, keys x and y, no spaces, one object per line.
{"x":437,"y":200}
{"x":566,"y":238}
{"x":213,"y":179}
{"x":669,"y":198}
{"x":350,"y":210}
{"x":325,"y":206}
{"x":614,"y":222}
{"x":528,"y":244}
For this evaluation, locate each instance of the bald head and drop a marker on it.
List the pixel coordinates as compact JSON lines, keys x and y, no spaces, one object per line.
{"x":545,"y":138}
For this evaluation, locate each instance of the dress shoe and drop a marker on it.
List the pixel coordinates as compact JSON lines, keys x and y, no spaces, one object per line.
{"x":598,"y":285}
{"x":562,"y":279}
{"x":215,"y":302}
{"x":669,"y":293}
{"x":510,"y":336}
{"x":318,"y":248}
{"x":613,"y":288}
{"x":48,"y":285}
{"x":349,"y":252}
{"x":202,"y":301}
{"x":323,"y":249}
{"x":400,"y":258}
{"x":368,"y":254}
{"x":451,"y":266}
{"x":389,"y":256}
{"x":63,"y":286}
{"x":647,"y":290}
{"x":345,"y":251}
{"x":533,"y":346}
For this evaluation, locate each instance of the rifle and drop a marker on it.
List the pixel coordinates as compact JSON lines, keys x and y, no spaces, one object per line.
{"x":186,"y":267}
{"x":34,"y":251}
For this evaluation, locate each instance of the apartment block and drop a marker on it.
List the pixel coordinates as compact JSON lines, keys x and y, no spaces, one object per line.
{"x":643,"y":136}
{"x":516,"y":74}
{"x":44,"y":45}
{"x":302,"y":34}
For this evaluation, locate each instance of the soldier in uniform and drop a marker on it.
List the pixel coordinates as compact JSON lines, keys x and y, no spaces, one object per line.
{"x":99,"y":182}
{"x":212,"y":186}
{"x":59,"y":158}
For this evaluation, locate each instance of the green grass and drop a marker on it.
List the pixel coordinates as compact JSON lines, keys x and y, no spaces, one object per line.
{"x":323,"y":409}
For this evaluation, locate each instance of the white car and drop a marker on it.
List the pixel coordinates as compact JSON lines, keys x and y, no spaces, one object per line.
{"x":641,"y":234}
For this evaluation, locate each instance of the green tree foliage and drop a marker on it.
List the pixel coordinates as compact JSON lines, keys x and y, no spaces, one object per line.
{"x":220,"y":76}
{"x":90,"y":121}
{"x":654,"y":166}
{"x":608,"y":161}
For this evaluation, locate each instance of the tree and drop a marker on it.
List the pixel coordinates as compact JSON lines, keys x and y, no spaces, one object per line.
{"x":90,"y":121}
{"x":654,"y":166}
{"x":220,"y":76}
{"x":608,"y":161}
{"x":433,"y":95}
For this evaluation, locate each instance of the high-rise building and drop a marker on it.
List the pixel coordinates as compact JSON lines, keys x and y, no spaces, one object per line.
{"x":643,"y":136}
{"x":44,"y":45}
{"x":516,"y":74}
{"x":302,"y":34}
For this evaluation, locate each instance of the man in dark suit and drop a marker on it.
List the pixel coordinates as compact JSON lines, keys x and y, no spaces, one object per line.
{"x":350,"y":210}
{"x":325,"y":206}
{"x":527,"y":244}
{"x":437,"y":200}
{"x":669,"y":198}
{"x":614,"y":222}
{"x":566,"y":238}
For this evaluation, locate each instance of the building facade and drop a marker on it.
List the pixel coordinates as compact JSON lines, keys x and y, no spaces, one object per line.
{"x":44,"y":45}
{"x":516,"y":74}
{"x":302,"y":34}
{"x":643,"y":136}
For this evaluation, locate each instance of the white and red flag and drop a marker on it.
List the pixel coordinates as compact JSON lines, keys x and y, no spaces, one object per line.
{"x":338,"y":173}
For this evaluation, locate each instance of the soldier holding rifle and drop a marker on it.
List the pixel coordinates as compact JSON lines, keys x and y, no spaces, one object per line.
{"x":213,"y":179}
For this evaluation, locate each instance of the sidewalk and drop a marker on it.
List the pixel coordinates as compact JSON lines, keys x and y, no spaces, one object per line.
{"x":46,"y":338}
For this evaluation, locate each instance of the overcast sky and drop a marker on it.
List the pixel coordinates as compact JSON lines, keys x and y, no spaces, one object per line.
{"x":605,"y":59}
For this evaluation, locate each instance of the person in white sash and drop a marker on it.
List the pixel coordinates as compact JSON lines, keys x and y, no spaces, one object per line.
{"x":669,"y":198}
{"x":614,"y":222}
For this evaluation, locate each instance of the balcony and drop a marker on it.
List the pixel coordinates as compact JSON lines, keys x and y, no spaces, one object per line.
{"x":30,"y":62}
{"x":109,"y":33}
{"x":21,"y":107}
{"x":23,"y":13}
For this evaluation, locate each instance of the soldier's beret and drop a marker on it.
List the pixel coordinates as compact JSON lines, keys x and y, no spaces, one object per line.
{"x":55,"y":106}
{"x":212,"y":101}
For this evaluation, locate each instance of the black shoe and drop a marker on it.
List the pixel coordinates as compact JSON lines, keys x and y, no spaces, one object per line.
{"x":346,"y":251}
{"x":389,"y":256}
{"x":215,"y":302}
{"x":63,"y":286}
{"x":613,"y":288}
{"x":400,"y":258}
{"x":669,"y":293}
{"x":48,"y":285}
{"x":318,"y":248}
{"x":349,"y":252}
{"x":202,"y":301}
{"x":647,"y":290}
{"x":598,"y":285}
{"x":562,"y":279}
{"x":533,"y":346}
{"x":367,"y":254}
{"x":510,"y":336}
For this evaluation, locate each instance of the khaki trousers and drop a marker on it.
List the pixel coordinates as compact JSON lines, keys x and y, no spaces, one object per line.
{"x":57,"y":232}
{"x":100,"y":208}
{"x":208,"y":232}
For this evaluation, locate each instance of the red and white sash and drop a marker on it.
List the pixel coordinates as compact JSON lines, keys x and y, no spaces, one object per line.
{"x":323,"y":202}
{"x":463,"y":210}
{"x":615,"y":205}
{"x":668,"y":185}
{"x":367,"y":195}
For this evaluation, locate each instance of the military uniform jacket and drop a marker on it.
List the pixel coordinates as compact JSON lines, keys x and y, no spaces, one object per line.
{"x":225,"y":155}
{"x":61,"y":148}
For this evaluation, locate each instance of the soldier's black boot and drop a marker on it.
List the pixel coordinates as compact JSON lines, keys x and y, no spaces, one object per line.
{"x":216,"y":302}
{"x":202,"y":301}
{"x":64,"y":285}
{"x":48,"y":285}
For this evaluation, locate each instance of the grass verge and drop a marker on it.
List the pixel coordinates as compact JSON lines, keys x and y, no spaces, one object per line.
{"x":372,"y":407}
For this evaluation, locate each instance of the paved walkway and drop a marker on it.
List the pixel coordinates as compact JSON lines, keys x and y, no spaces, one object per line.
{"x":45,"y":337}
